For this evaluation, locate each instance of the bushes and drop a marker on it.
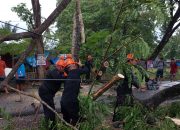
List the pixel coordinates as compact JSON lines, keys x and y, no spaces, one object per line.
{"x":135,"y":117}
{"x":140,"y":118}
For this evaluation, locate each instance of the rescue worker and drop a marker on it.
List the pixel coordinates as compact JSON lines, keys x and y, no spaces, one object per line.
{"x":69,"y":99}
{"x":124,"y":90}
{"x":89,"y":65}
{"x":48,"y":90}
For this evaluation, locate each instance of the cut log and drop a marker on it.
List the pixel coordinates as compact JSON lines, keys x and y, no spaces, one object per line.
{"x":175,"y":120}
{"x":100,"y":91}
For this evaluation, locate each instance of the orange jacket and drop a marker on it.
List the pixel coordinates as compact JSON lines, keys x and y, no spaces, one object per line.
{"x":2,"y":68}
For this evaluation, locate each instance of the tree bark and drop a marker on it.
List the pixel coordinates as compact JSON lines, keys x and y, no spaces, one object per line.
{"x":17,"y":36}
{"x":41,"y":28}
{"x":169,"y":31}
{"x":38,"y":40}
{"x":76,"y":39}
{"x":161,"y":96}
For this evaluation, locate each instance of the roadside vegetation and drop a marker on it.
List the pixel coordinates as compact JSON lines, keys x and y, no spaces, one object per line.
{"x":98,"y":116}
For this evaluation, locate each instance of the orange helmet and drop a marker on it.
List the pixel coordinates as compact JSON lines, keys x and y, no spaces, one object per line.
{"x":69,"y":62}
{"x":69,"y":56}
{"x":60,"y":63}
{"x":61,"y":57}
{"x":130,"y":56}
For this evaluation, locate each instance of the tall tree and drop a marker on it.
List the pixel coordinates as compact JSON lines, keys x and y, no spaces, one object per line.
{"x":38,"y":31}
{"x":78,"y":36}
{"x":171,"y":27}
{"x":38,"y":40}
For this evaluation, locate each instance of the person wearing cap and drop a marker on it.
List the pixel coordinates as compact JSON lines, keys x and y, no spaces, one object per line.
{"x":2,"y":72}
{"x":48,"y":90}
{"x":124,"y":89}
{"x":69,"y":99}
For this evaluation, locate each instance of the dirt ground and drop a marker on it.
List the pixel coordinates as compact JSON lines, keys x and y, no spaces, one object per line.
{"x":23,"y":113}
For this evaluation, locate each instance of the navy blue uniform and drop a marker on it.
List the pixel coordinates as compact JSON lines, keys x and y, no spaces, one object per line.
{"x":48,"y":90}
{"x":69,"y":100}
{"x":89,"y":65}
{"x":124,"y":90}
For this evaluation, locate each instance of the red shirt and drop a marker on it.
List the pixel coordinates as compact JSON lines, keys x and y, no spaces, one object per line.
{"x":173,"y":68}
{"x":2,"y":68}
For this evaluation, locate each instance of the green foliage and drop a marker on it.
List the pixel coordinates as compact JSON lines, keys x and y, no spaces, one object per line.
{"x":89,"y":110}
{"x":97,"y":41}
{"x":172,"y":49}
{"x":7,"y":29}
{"x":6,"y":116}
{"x":135,"y":18}
{"x":24,"y":14}
{"x":4,"y":31}
{"x":140,"y":118}
{"x":14,"y":48}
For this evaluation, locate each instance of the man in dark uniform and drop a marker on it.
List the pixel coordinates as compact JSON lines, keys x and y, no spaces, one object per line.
{"x":124,"y":90}
{"x":48,"y":90}
{"x":69,"y":100}
{"x":89,"y":65}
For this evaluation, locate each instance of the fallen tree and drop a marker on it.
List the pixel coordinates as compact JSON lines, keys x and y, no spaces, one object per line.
{"x":163,"y":95}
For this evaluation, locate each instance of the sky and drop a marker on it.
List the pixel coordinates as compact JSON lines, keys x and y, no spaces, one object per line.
{"x":47,"y":6}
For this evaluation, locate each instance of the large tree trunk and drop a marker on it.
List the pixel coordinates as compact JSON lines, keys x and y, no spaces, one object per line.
{"x":168,"y":33}
{"x":161,"y":96}
{"x":40,"y":29}
{"x":78,"y":32}
{"x":38,"y":40}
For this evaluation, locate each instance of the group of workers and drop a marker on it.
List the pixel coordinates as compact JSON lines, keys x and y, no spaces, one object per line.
{"x":67,"y":72}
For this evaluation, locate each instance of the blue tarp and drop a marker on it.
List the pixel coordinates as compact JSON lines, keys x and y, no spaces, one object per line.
{"x":178,"y":63}
{"x":31,"y":60}
{"x":21,"y":71}
{"x":54,"y":60}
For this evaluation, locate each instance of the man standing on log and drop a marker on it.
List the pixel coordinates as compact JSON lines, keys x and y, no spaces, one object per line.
{"x":48,"y":90}
{"x":124,"y":90}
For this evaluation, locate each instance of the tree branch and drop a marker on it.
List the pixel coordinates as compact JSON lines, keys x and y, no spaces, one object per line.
{"x":169,"y":31}
{"x":44,"y":103}
{"x":17,"y":36}
{"x":43,"y":26}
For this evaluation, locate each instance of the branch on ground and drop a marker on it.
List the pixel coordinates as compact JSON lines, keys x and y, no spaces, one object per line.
{"x":44,"y":103}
